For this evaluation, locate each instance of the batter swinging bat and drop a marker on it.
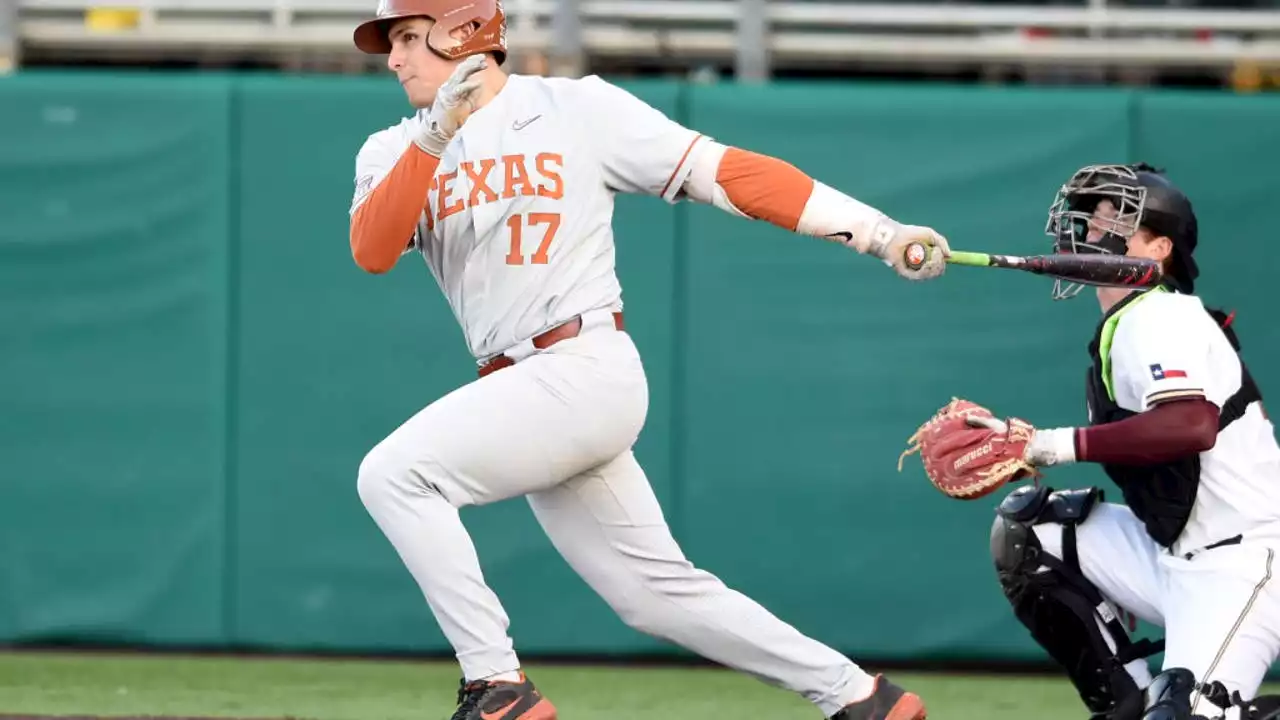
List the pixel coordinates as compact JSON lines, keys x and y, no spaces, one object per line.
{"x":1089,"y":269}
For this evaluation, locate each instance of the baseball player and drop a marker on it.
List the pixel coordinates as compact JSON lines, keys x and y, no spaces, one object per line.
{"x":1176,"y":421}
{"x":504,"y":184}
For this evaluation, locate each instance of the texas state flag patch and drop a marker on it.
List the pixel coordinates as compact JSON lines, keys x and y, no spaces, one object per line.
{"x":1159,"y":373}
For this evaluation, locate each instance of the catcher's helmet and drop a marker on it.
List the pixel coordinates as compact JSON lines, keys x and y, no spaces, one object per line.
{"x":1142,"y":197}
{"x":449,"y":15}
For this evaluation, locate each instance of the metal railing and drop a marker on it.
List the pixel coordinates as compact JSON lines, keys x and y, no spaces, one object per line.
{"x":753,"y":36}
{"x":8,"y":35}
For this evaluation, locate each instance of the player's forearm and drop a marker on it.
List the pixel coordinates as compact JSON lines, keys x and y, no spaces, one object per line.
{"x":385,"y":222}
{"x":765,"y":188}
{"x":1166,"y":432}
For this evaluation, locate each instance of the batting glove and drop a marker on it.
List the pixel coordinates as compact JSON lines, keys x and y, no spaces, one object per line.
{"x":455,"y":101}
{"x":889,"y":241}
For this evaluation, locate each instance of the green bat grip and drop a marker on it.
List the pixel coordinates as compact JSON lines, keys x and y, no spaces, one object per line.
{"x":976,"y":259}
{"x":957,"y":257}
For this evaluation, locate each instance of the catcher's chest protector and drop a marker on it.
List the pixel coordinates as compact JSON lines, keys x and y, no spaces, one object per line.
{"x":1161,"y":495}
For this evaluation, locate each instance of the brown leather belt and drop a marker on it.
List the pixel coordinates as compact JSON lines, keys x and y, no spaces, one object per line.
{"x":546,"y":340}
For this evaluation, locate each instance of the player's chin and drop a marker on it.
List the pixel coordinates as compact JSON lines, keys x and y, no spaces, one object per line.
{"x":420,"y":97}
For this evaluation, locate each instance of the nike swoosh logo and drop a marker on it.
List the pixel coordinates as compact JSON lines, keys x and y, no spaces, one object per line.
{"x":520,"y":705}
{"x":503,"y":711}
{"x":848,"y":236}
{"x":520,"y":125}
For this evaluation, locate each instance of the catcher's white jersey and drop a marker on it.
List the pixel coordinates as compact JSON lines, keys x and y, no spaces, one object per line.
{"x":517,"y":231}
{"x":1167,"y":346}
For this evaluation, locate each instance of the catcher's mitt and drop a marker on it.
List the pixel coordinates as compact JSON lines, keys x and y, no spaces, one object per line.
{"x":967,"y":460}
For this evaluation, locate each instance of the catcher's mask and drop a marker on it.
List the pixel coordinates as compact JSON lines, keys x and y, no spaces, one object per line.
{"x":1140,"y":196}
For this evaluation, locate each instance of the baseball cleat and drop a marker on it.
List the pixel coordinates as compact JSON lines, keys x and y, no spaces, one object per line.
{"x":886,"y":702}
{"x":499,"y":700}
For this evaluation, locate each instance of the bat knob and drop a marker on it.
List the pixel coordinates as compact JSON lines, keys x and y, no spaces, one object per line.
{"x":914,"y":255}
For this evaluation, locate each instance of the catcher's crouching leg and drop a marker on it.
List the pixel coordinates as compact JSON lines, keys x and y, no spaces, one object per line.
{"x":1169,"y":697}
{"x":1065,"y":613}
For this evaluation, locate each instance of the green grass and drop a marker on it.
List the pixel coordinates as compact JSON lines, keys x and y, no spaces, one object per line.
{"x":133,"y":685}
{"x":101,"y":684}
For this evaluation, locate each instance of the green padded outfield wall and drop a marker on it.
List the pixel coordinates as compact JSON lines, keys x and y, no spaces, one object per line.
{"x":115,"y":232}
{"x":193,"y":368}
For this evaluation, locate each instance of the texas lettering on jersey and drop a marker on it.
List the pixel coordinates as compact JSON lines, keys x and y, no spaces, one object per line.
{"x":505,"y":178}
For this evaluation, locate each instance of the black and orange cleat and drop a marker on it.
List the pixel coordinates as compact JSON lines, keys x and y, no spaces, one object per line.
{"x":886,"y":702}
{"x":500,"y":700}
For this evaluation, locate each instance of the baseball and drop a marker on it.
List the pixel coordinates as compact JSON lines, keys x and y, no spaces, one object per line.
{"x":916,"y":255}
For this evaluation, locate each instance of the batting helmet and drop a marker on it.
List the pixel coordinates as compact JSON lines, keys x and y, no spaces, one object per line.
{"x":449,"y":15}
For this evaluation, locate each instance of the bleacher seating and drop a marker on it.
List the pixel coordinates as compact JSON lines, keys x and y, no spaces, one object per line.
{"x":1213,"y":34}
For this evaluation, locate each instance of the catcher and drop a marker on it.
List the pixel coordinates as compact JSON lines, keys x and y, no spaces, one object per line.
{"x":1177,"y":423}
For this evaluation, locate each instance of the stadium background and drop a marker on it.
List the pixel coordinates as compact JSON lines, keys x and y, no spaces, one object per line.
{"x":193,"y":367}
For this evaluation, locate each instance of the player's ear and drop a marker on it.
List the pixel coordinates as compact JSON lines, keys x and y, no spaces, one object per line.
{"x":1161,"y":248}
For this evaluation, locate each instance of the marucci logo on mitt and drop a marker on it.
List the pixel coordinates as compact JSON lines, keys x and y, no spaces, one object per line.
{"x":966,"y":460}
{"x":970,"y":456}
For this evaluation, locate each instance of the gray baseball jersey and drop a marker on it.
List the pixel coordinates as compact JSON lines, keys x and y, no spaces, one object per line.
{"x":517,"y":230}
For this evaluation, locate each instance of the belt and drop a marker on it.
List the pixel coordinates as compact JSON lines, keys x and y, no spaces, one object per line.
{"x":545,"y":340}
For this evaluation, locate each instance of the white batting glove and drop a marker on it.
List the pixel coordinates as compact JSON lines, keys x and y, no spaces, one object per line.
{"x":1047,"y":447}
{"x":890,"y":240}
{"x":453,"y":104}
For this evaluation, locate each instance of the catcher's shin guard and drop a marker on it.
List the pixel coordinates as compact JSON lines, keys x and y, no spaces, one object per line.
{"x":1064,"y":612}
{"x":1169,"y":696}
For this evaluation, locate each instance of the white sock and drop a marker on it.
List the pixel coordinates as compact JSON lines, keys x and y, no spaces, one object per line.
{"x":512,"y":676}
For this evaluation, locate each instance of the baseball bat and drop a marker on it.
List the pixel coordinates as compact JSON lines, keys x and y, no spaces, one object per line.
{"x":1089,"y":269}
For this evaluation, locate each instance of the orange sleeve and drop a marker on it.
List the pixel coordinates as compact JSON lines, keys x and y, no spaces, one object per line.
{"x":383,"y":225}
{"x":763,"y":187}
